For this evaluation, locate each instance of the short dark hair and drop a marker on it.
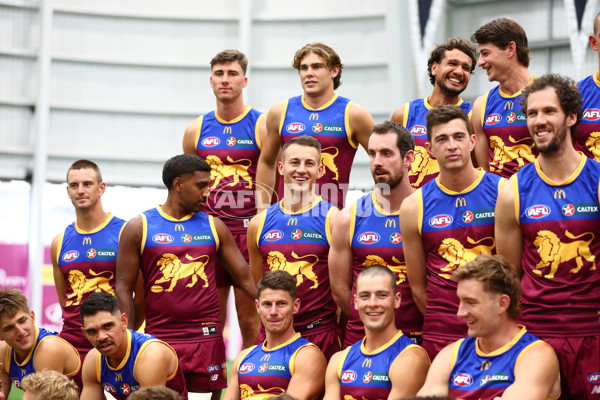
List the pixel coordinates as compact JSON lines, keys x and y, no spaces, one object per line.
{"x":497,"y":276}
{"x":443,"y":114}
{"x":277,"y":280}
{"x":440,"y":51}
{"x":182,"y":164}
{"x":11,"y":302}
{"x":85,"y":164}
{"x":500,"y":32}
{"x":99,"y":301}
{"x":378,"y":270}
{"x":332,"y":59}
{"x":404,"y":139}
{"x":302,"y":140}
{"x":227,"y":56}
{"x":566,"y":91}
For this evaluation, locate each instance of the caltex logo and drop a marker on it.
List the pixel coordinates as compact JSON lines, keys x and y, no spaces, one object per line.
{"x":467,"y":217}
{"x":317,"y":128}
{"x":296,"y":234}
{"x":186,"y":238}
{"x":263,"y":368}
{"x":125,"y":388}
{"x":367,"y":377}
{"x":395,"y":238}
{"x":512,"y":117}
{"x":91,"y":253}
{"x":568,"y":210}
{"x":231,"y":141}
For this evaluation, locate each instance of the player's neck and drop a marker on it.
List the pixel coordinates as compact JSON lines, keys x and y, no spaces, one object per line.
{"x":390,"y":200}
{"x":295,"y":200}
{"x":514,"y":80}
{"x":173,"y":210}
{"x":115,"y":360}
{"x":316,"y":101}
{"x":458,"y":180}
{"x":231,"y":110}
{"x":90,"y":219}
{"x":376,"y":339}
{"x":273,"y":340}
{"x":438,"y":98}
{"x":560,"y":166}
{"x":504,"y":334}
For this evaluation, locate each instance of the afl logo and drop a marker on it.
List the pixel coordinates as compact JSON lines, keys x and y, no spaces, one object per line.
{"x":462,"y":380}
{"x":70,"y":256}
{"x":348,"y":376}
{"x":109,"y":388}
{"x":162,"y":238}
{"x":418,"y":130}
{"x":246,"y":368}
{"x":594,"y":378}
{"x":211,"y":141}
{"x":493,"y":119}
{"x":295,"y":127}
{"x":367,"y":377}
{"x":369,"y":238}
{"x":538,"y":211}
{"x":273,"y":236}
{"x":591,"y":114}
{"x":440,"y":221}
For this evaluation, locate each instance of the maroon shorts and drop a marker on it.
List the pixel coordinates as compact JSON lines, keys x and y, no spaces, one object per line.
{"x":203,"y":364}
{"x":222,"y":276}
{"x":579,"y":360}
{"x":434,"y":345}
{"x":328,"y":340}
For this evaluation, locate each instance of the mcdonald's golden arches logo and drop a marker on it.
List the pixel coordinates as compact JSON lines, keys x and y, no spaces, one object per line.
{"x":118,"y":376}
{"x":87,"y":240}
{"x":266,"y":357}
{"x":179,"y":228}
{"x":292,"y":221}
{"x":485,"y":365}
{"x":227,"y":130}
{"x":461,"y":202}
{"x":390,"y":223}
{"x":313,"y":117}
{"x":509,"y":105}
{"x":367,"y":363}
{"x":560,"y":194}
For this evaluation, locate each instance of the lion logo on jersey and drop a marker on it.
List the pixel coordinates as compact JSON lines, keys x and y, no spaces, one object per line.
{"x":298,"y":269}
{"x":517,"y":152}
{"x":80,"y":284}
{"x":458,"y":255}
{"x":328,"y":160}
{"x":422,"y":165}
{"x":238,"y":169}
{"x":553,"y":252}
{"x":246,"y":391}
{"x":173,"y":270}
{"x":593,"y":144}
{"x":399,"y":269}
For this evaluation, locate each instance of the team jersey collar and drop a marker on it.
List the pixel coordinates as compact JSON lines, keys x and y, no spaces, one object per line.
{"x":169,"y":218}
{"x":305,"y":209}
{"x":570,"y":179}
{"x":97,"y":229}
{"x":290,"y":340}
{"x":504,"y":348}
{"x":236,"y":119}
{"x":324,"y":106}
{"x":380,"y":348}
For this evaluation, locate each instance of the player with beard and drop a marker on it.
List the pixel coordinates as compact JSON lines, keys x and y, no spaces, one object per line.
{"x":368,"y":232}
{"x":447,"y":223}
{"x":547,"y":225}
{"x":503,"y":143}
{"x":450,"y":66}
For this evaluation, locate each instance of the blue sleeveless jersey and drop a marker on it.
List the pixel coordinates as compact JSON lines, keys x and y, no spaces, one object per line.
{"x":587,"y":139}
{"x":479,"y":376}
{"x":299,"y":244}
{"x":330,"y":126}
{"x":376,"y":240}
{"x":365,"y":375}
{"x":510,"y":145}
{"x":455,"y":227}
{"x":231,"y":148}
{"x":17,"y":371}
{"x":561,"y":250}
{"x":266,"y":372}
{"x":87,"y":262}
{"x":178,"y":258}
{"x":120,"y":381}
{"x":423,"y":168}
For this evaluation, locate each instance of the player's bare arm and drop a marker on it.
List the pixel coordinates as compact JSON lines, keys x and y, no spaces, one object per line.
{"x":154,"y":365}
{"x":256,"y":258}
{"x":266,"y":169}
{"x":536,"y":375}
{"x":189,"y":137}
{"x":332,"y":380}
{"x":398,"y":115}
{"x":405,"y":385}
{"x":233,"y":388}
{"x":308,"y":380}
{"x":128,"y":268}
{"x":361,"y":123}
{"x":438,"y":377}
{"x":5,"y":381}
{"x":59,"y":282}
{"x":233,"y":260}
{"x":482,"y":144}
{"x":340,"y":262}
{"x":509,"y":237}
{"x":415,"y":257}
{"x":55,"y":354}
{"x":92,"y":389}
